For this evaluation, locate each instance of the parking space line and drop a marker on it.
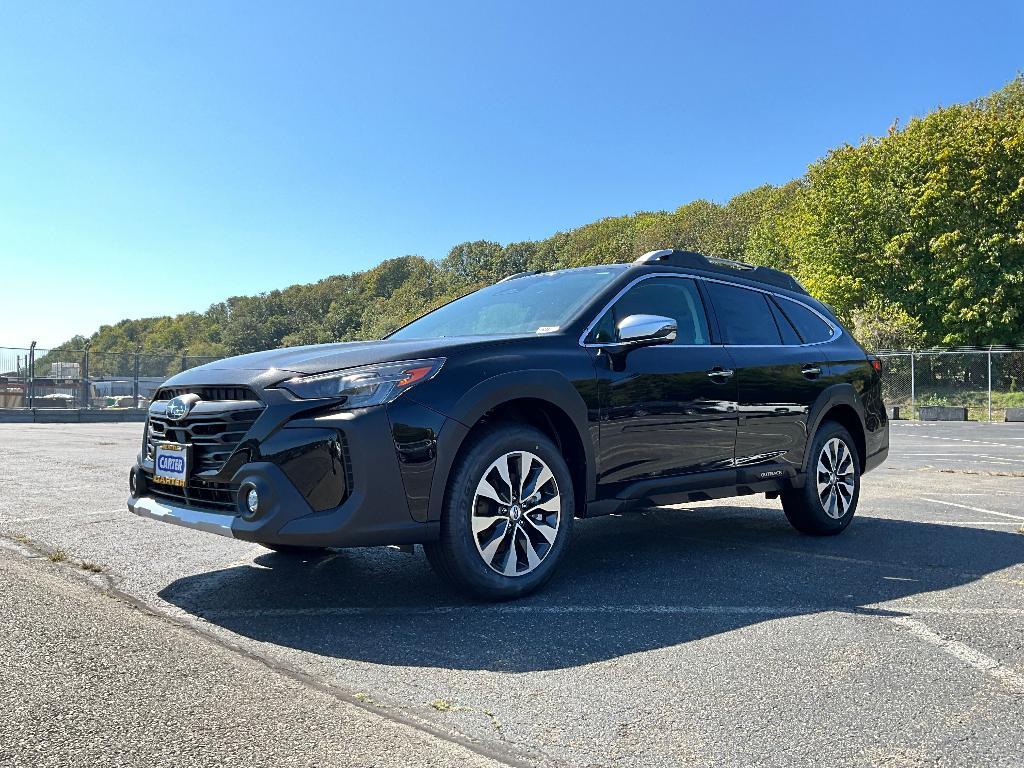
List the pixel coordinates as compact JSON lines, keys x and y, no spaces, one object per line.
{"x":967,"y":522}
{"x":803,"y":553}
{"x":961,"y":651}
{"x":964,"y":440}
{"x":971,"y":458}
{"x":689,"y":610}
{"x":973,"y":509}
{"x":57,"y":517}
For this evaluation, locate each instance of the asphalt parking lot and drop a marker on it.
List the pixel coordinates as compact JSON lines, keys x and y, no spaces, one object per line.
{"x":711,"y":634}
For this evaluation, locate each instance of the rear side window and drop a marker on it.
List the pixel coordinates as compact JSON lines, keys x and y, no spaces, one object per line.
{"x":666,"y":296}
{"x":744,"y":315}
{"x":809,"y":325}
{"x":789,"y":334}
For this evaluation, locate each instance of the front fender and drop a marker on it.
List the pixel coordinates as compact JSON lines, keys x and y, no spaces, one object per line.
{"x":547,"y":385}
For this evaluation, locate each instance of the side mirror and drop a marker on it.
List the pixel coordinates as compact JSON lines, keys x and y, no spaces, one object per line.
{"x":646,"y":330}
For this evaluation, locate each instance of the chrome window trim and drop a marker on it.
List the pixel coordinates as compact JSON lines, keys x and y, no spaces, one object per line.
{"x":836,"y":330}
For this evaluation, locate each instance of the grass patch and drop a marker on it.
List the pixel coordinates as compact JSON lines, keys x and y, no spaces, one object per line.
{"x":87,"y":565}
{"x":495,"y":722}
{"x":57,"y":556}
{"x":443,"y":705}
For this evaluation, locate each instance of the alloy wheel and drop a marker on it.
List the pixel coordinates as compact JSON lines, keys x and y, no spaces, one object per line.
{"x":516,"y":513}
{"x":835,"y":478}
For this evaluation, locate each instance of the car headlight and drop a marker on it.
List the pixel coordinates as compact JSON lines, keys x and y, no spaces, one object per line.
{"x":368,"y":385}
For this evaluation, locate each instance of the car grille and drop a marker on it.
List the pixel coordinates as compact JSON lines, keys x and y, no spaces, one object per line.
{"x":207,"y":393}
{"x":199,"y":493}
{"x":214,"y":429}
{"x":213,"y":437}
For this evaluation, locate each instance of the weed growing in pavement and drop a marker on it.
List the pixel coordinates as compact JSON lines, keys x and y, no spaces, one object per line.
{"x":57,"y":556}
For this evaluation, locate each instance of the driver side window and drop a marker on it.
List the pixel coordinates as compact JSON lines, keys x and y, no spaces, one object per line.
{"x":672,"y":297}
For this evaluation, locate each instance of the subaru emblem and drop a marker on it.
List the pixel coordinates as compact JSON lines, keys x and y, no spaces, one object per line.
{"x":178,"y":408}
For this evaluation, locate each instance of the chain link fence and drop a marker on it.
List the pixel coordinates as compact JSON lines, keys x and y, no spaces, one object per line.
{"x":985,"y":381}
{"x":32,"y":377}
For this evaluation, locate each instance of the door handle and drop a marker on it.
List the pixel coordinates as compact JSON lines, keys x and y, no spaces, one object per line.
{"x":811,"y":371}
{"x":720,"y":373}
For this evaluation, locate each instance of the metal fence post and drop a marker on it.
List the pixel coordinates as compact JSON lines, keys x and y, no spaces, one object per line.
{"x":31,"y":373}
{"x":990,"y":383}
{"x":184,"y":359}
{"x":135,"y":381}
{"x":913,"y":392}
{"x":84,"y":384}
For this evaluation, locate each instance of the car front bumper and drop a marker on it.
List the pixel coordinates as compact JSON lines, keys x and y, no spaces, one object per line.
{"x":167,"y":512}
{"x":312,"y":492}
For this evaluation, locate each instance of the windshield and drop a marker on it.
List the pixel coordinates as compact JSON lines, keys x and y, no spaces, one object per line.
{"x":532,"y":304}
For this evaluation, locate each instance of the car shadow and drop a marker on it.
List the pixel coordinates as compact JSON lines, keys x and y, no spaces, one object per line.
{"x":628,"y":584}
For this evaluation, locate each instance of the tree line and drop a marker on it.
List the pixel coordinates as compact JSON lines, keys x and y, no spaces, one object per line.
{"x":915,"y":238}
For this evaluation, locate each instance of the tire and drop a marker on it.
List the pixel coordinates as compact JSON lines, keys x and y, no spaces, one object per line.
{"x":291,"y":550}
{"x":474,"y":554}
{"x":826,"y":512}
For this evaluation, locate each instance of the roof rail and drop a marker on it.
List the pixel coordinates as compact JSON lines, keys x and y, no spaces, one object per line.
{"x":517,"y":274}
{"x":676,"y":258}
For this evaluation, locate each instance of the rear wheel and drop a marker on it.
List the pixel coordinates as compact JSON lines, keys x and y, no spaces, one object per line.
{"x":828,"y":501}
{"x":507,"y":514}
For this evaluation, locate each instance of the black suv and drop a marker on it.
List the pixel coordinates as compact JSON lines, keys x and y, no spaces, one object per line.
{"x":484,"y":428}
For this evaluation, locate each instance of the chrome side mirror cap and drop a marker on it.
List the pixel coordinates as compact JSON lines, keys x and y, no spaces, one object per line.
{"x":647,"y":330}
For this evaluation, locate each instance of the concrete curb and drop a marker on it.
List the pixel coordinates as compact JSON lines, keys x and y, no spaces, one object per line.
{"x":70,"y":415}
{"x":942,"y":413}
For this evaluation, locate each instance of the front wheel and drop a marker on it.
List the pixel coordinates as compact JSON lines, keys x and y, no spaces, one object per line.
{"x":507,"y":516}
{"x":827,"y":502}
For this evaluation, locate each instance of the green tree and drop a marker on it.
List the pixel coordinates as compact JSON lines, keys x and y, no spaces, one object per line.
{"x":915,"y":237}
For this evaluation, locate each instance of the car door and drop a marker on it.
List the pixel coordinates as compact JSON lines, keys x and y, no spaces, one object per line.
{"x":662,"y":414}
{"x":778,"y":376}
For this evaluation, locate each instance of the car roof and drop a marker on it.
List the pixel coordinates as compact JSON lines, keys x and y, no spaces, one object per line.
{"x":690,"y":261}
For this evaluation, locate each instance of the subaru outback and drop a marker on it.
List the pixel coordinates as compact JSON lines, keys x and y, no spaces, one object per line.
{"x":485,"y":428}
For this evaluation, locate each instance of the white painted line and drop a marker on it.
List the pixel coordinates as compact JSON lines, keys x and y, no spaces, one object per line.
{"x":961,"y":651}
{"x":669,"y":610}
{"x":58,"y":517}
{"x":973,"y":509}
{"x":397,"y":610}
{"x":975,"y":459}
{"x":964,"y":440}
{"x":988,"y":493}
{"x":959,"y":455}
{"x":1001,"y":458}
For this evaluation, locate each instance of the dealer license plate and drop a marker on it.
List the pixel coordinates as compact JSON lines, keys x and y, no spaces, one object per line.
{"x":171,"y":464}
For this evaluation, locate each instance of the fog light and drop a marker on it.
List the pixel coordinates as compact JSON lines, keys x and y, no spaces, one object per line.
{"x":252,"y":501}
{"x":133,"y":483}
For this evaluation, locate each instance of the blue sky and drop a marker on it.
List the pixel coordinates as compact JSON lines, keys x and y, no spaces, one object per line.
{"x":158,"y":157}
